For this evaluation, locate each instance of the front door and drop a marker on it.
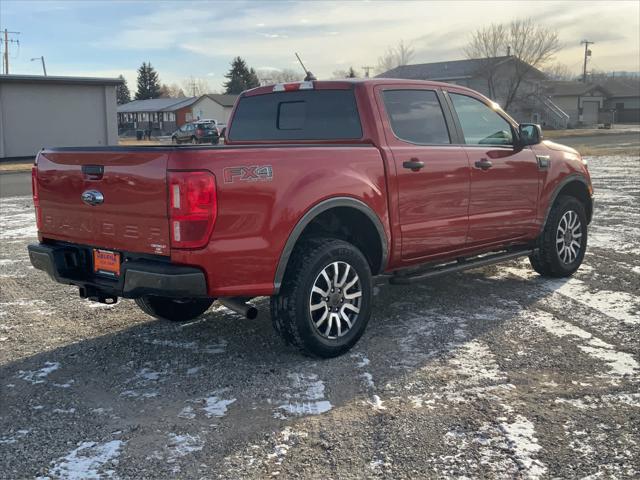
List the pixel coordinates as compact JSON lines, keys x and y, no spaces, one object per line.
{"x":504,"y":178}
{"x":432,"y":174}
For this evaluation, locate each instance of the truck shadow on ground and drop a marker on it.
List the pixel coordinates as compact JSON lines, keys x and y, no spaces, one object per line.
{"x":231,"y":381}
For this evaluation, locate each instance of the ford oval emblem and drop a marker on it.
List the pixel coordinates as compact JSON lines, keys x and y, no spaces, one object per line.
{"x":92,"y":197}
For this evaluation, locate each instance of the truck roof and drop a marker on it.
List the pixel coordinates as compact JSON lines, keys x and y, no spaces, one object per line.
{"x":351,"y":82}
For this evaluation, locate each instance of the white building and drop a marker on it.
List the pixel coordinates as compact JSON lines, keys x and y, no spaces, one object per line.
{"x":38,"y":111}
{"x":213,"y":106}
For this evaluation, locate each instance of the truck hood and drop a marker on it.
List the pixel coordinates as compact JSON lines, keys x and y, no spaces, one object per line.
{"x":559,"y":147}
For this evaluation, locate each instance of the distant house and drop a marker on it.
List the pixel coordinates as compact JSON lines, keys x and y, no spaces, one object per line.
{"x":581,"y":101}
{"x":214,"y":106}
{"x":493,"y":77}
{"x":164,"y":115}
{"x":609,"y":101}
{"x":623,"y":99}
{"x":160,"y":115}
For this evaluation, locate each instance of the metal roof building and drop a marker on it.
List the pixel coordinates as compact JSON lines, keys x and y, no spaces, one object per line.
{"x":37,"y":112}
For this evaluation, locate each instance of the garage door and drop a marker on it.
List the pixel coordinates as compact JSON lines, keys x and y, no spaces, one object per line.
{"x":590,"y":112}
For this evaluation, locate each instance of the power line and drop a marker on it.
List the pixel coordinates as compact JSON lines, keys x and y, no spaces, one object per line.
{"x":7,"y":41}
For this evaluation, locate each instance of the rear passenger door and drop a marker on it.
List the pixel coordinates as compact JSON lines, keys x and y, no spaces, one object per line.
{"x":504,"y":176}
{"x":431,"y":172}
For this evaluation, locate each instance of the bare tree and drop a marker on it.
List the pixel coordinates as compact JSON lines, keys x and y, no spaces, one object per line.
{"x":195,"y":86}
{"x":171,"y":91}
{"x":401,"y":54}
{"x":559,"y":71}
{"x":530,"y":44}
{"x":350,"y":73}
{"x":268,"y":76}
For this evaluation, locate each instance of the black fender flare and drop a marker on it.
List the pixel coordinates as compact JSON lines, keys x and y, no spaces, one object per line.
{"x":566,"y":181}
{"x":311,"y":214}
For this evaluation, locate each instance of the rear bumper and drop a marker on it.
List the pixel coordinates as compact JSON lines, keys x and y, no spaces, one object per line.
{"x":72,"y":265}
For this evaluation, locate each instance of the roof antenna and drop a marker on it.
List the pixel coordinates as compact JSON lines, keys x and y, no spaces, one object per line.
{"x":309,"y":76}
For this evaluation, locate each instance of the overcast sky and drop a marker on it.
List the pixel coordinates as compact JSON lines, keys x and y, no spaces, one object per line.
{"x":180,"y":39}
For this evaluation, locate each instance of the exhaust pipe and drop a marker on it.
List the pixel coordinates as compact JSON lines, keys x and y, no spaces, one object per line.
{"x":238,"y":306}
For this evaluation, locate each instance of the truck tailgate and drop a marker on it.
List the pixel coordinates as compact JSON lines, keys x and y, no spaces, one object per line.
{"x":133,"y":214}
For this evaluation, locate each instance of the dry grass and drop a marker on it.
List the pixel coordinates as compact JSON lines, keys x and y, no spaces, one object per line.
{"x":588,"y":132}
{"x":10,"y":167}
{"x":591,"y":150}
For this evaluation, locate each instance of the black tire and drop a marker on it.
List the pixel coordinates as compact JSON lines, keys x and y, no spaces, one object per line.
{"x":173,"y":309}
{"x":291,"y":308}
{"x":548,"y":261}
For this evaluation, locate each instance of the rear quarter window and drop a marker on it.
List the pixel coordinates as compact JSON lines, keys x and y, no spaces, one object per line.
{"x":299,"y":115}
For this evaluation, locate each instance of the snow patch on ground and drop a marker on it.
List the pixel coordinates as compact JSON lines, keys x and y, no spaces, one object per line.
{"x":307,"y":397}
{"x":182,"y":445}
{"x":619,"y":363}
{"x":285,"y":440}
{"x":10,"y":439}
{"x":88,"y":461}
{"x":621,"y":306}
{"x":520,"y":434}
{"x":216,"y":406}
{"x":376,"y":403}
{"x":38,"y":376}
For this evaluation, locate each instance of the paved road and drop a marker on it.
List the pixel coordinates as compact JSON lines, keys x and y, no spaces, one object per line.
{"x":14,"y":184}
{"x":492,"y":373}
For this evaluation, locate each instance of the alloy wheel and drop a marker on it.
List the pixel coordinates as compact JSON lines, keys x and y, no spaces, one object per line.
{"x":568,"y":237}
{"x":335,"y":300}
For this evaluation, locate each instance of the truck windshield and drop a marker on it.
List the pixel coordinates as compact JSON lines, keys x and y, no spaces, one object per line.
{"x":299,"y":115}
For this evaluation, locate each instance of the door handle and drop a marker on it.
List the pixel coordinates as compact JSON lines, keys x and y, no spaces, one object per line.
{"x":414,"y":165}
{"x":484,"y":164}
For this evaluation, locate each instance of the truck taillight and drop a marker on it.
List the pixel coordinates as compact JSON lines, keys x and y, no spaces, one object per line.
{"x":36,"y":196}
{"x":193,"y":207}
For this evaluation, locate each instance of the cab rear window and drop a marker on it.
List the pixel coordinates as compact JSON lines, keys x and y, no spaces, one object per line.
{"x":299,"y":115}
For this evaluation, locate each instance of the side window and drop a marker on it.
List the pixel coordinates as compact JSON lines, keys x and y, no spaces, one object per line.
{"x":481,"y":125}
{"x":416,"y":116}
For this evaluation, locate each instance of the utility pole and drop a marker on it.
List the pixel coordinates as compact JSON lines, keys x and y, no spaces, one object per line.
{"x":366,"y":71}
{"x":587,"y":53}
{"x":44,"y":68}
{"x":7,"y":41}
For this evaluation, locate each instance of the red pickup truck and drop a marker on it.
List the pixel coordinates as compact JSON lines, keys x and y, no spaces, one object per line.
{"x":320,"y":186}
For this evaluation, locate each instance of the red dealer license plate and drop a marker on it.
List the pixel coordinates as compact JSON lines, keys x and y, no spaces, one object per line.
{"x":106,"y":262}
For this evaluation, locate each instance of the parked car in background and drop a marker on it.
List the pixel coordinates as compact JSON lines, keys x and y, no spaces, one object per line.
{"x":201,"y":131}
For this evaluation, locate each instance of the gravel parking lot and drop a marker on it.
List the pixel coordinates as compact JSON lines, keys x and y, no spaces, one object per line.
{"x":490,"y":373}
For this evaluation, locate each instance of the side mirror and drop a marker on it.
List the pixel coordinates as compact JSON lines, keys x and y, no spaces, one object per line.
{"x":530,"y":134}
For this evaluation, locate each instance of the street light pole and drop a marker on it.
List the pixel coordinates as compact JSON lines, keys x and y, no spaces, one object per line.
{"x":44,"y":68}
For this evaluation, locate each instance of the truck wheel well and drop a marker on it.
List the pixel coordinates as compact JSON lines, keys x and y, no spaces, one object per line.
{"x":350,"y":225}
{"x":578,"y":190}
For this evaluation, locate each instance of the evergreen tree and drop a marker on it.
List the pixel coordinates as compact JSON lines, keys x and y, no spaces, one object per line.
{"x":240,"y":77}
{"x":252,"y":79}
{"x":122,"y":92}
{"x":352,"y":73}
{"x":148,"y":82}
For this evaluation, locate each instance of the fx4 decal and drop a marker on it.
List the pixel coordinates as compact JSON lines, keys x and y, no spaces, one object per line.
{"x":253,"y":173}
